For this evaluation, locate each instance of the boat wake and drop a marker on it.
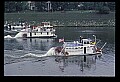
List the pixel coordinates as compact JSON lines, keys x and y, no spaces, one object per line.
{"x":49,"y":53}
{"x":9,"y":37}
{"x":31,"y":55}
{"x":12,"y":58}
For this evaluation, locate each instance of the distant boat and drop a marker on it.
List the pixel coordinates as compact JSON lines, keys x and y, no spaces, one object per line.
{"x":44,"y":30}
{"x":9,"y":28}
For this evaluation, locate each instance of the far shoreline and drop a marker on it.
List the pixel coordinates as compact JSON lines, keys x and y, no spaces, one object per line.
{"x":67,"y":19}
{"x":85,"y":26}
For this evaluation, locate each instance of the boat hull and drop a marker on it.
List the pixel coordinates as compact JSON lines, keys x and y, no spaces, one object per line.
{"x":34,"y":35}
{"x":60,"y":52}
{"x":78,"y":54}
{"x":42,"y":37}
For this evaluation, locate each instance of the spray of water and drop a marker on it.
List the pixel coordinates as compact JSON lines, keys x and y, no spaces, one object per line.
{"x":49,"y":53}
{"x":8,"y":36}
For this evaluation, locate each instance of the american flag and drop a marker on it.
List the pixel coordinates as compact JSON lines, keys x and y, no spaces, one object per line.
{"x":61,"y":40}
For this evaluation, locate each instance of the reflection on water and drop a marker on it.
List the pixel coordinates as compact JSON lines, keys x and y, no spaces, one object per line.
{"x":78,"y":61}
{"x":28,"y":44}
{"x":15,"y":48}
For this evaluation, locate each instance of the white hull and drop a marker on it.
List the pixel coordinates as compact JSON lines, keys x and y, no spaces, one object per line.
{"x":52,"y":52}
{"x":77,"y":53}
{"x":17,"y":27}
{"x":34,"y":35}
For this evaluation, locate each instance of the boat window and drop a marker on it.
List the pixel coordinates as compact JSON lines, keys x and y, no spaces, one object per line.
{"x":81,"y":47}
{"x":76,"y":48}
{"x":24,"y":35}
{"x":17,"y":24}
{"x":13,"y":28}
{"x":21,"y":24}
{"x":68,"y":48}
{"x":35,"y":33}
{"x":87,"y":42}
{"x":79,"y":44}
{"x":84,"y":42}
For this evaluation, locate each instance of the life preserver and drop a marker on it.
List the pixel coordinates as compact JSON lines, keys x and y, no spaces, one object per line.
{"x":58,"y":49}
{"x":66,"y":53}
{"x":98,"y":50}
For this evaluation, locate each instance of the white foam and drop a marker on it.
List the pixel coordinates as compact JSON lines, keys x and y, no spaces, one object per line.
{"x":49,"y":53}
{"x":8,"y":36}
{"x":31,"y":55}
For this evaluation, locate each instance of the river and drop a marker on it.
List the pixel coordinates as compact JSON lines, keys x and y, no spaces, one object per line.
{"x":21,"y":56}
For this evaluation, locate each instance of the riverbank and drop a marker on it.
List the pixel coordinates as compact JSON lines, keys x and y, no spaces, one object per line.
{"x":68,"y":18}
{"x":85,"y":26}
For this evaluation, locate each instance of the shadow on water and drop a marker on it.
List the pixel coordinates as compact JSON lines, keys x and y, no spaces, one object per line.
{"x":81,"y":62}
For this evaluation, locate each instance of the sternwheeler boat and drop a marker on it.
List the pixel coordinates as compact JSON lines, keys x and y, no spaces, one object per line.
{"x":83,"y":47}
{"x":44,"y":30}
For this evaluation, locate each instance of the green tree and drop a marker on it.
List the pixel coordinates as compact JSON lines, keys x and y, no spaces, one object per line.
{"x":103,"y":10}
{"x":9,"y":6}
{"x":40,"y":6}
{"x":111,"y":5}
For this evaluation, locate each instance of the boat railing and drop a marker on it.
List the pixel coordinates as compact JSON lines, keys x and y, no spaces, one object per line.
{"x":42,"y":31}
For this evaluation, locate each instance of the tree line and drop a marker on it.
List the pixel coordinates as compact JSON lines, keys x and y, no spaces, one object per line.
{"x":17,"y":6}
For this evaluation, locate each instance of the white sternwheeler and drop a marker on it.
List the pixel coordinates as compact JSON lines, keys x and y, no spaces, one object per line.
{"x":9,"y":28}
{"x":83,"y":47}
{"x":44,"y":30}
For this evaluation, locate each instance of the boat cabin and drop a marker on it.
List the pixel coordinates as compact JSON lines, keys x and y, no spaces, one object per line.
{"x":83,"y":47}
{"x":45,"y":24}
{"x":86,"y":42}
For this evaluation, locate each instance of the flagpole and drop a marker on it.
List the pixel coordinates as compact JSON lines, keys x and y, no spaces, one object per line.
{"x":63,"y":48}
{"x":63,"y":39}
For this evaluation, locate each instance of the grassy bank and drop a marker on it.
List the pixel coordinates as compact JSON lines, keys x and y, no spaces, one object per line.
{"x":68,"y":18}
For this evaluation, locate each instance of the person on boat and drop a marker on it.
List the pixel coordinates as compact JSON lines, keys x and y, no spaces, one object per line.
{"x":6,"y":27}
{"x":9,"y":27}
{"x":93,"y":43}
{"x":81,"y":39}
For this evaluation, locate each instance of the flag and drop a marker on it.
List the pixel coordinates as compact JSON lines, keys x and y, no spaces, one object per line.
{"x":61,"y":40}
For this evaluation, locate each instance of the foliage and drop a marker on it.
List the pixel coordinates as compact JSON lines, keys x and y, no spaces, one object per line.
{"x":40,"y":6}
{"x":103,"y":10}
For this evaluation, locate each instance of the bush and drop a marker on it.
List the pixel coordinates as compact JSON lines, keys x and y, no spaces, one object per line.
{"x":103,"y":10}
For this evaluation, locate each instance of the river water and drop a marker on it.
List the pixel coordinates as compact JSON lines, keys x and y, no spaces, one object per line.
{"x":21,"y":56}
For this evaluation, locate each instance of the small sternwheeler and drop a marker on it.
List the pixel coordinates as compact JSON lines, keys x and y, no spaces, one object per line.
{"x":82,"y":47}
